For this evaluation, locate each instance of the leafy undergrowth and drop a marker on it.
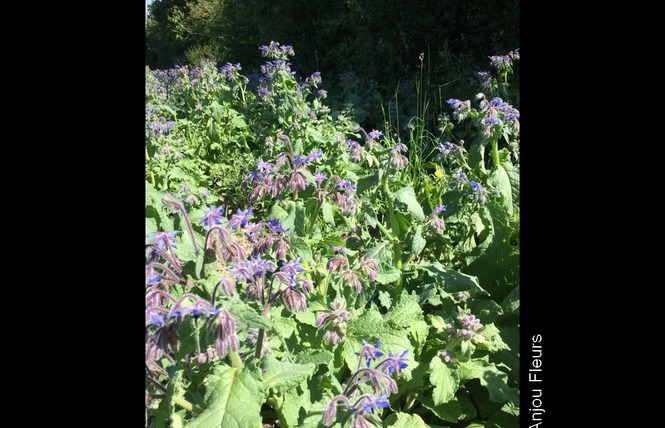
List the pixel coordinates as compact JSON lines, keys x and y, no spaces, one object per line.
{"x":350,"y":287}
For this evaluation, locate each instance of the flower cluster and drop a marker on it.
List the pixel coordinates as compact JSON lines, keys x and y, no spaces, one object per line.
{"x":340,"y":264}
{"x":435,"y":220}
{"x":334,"y":321}
{"x":361,"y":407}
{"x":468,"y":326}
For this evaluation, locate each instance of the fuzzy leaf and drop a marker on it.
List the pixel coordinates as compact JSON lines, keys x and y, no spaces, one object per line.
{"x":450,"y":411}
{"x":244,"y":314}
{"x":418,"y":243}
{"x":450,"y":280}
{"x":301,"y":248}
{"x":405,"y":311}
{"x":490,"y":377}
{"x":328,"y":213}
{"x":284,"y":376}
{"x":234,"y":400}
{"x":387,"y":276}
{"x":405,"y":420}
{"x":501,"y":180}
{"x":407,"y":196}
{"x":444,"y":380}
{"x":381,"y":252}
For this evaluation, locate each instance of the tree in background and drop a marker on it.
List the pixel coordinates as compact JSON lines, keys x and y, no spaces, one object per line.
{"x":379,"y":41}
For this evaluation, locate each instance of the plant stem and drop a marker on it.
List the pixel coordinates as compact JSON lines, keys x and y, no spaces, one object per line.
{"x":259,"y":341}
{"x":394,"y":226}
{"x":312,"y":219}
{"x":495,"y":153}
{"x":235,"y":359}
{"x":186,"y":405}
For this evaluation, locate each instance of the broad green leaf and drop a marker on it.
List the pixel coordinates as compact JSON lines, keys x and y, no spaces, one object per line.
{"x":450,"y":411}
{"x":299,"y":221}
{"x":278,"y":212}
{"x":512,"y":301}
{"x":284,"y":375}
{"x":315,"y":356}
{"x":246,"y":315}
{"x":369,"y":214}
{"x":292,"y":403}
{"x":490,"y":377}
{"x":418,"y":243}
{"x":216,"y":111}
{"x":513,"y":173}
{"x":407,"y":196}
{"x":238,"y":122}
{"x":405,"y":420}
{"x":501,"y":181}
{"x":388,"y":275}
{"x":234,"y":400}
{"x":485,"y":309}
{"x":385,"y":299}
{"x":490,"y":339}
{"x":450,"y":280}
{"x":419,"y":331}
{"x":497,"y":265}
{"x":405,"y":310}
{"x":503,"y":420}
{"x":438,"y":323}
{"x":444,"y":380}
{"x":301,"y":248}
{"x":367,"y":182}
{"x":328,"y":213}
{"x":382,"y":252}
{"x":166,"y":406}
{"x":150,"y":226}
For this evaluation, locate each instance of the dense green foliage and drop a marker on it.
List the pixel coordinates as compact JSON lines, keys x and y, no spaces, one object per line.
{"x":304,"y":270}
{"x":377,"y":40}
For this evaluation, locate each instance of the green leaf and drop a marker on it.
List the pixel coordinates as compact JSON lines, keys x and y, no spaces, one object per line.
{"x":490,"y":339}
{"x":502,"y":420}
{"x":367,"y":182}
{"x":444,"y":380}
{"x":450,"y":411}
{"x":238,"y":122}
{"x":490,"y":377}
{"x":438,"y":323}
{"x":150,"y":226}
{"x":216,"y":111}
{"x":513,"y":173}
{"x":418,"y":243}
{"x":234,"y":400}
{"x":405,"y":311}
{"x":166,"y":406}
{"x":405,"y":420}
{"x":245,"y":315}
{"x":291,"y":405}
{"x":497,"y":265}
{"x":387,"y":276}
{"x":501,"y":180}
{"x":512,"y":301}
{"x":385,"y":299}
{"x":315,"y":356}
{"x":284,"y":375}
{"x":419,"y":331}
{"x":450,"y":280}
{"x":278,"y":212}
{"x":407,"y":196}
{"x":301,"y":248}
{"x":328,"y":213}
{"x":381,"y":252}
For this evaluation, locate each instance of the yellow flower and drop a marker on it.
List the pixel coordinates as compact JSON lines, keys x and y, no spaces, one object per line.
{"x":438,"y":174}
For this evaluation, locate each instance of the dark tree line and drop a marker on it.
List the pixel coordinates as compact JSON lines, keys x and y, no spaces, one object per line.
{"x":379,"y":40}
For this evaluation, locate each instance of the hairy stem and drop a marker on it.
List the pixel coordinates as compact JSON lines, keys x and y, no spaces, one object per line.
{"x":186,"y":405}
{"x":259,"y":341}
